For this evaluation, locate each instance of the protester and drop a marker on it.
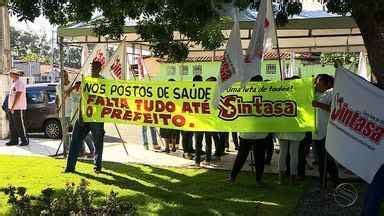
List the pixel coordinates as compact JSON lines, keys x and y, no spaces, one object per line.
{"x":235,"y":139}
{"x":374,"y":196}
{"x":17,"y":104}
{"x":270,"y":147}
{"x":289,"y":145}
{"x":223,"y":137}
{"x":81,"y":130}
{"x":303,"y":152}
{"x":199,"y":135}
{"x":324,"y":86}
{"x":255,"y":141}
{"x":170,"y":136}
{"x":208,"y":136}
{"x":68,"y":88}
{"x":153,"y":132}
{"x":187,"y":143}
{"x":74,"y":102}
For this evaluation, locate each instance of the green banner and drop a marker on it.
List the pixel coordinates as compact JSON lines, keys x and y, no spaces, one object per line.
{"x":274,"y":106}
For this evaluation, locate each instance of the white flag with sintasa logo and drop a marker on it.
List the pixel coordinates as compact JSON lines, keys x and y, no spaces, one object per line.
{"x":262,"y":40}
{"x":355,"y":133}
{"x":232,"y":65}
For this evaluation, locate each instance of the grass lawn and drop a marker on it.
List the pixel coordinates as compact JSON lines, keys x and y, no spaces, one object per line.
{"x":155,"y":190}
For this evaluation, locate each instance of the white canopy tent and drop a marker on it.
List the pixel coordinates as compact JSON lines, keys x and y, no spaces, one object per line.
{"x":327,"y":34}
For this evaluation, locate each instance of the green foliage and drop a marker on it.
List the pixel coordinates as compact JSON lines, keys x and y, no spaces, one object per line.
{"x":30,"y":47}
{"x":339,"y":58}
{"x":74,"y":201}
{"x":197,"y":22}
{"x":339,"y":6}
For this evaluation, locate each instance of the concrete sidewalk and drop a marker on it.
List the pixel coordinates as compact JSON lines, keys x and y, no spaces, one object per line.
{"x":114,"y":151}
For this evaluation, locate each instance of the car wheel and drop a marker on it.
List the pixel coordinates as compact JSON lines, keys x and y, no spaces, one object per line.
{"x":52,"y":129}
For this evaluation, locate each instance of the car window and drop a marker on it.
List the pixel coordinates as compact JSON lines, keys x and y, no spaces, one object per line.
{"x":51,"y":96}
{"x":35,"y":97}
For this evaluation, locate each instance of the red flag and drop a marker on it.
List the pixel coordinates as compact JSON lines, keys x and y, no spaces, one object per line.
{"x":116,"y":67}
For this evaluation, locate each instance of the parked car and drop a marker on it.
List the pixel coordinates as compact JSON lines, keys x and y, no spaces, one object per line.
{"x":41,"y":114}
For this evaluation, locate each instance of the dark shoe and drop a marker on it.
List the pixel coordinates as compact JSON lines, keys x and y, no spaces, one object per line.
{"x":23,"y":144}
{"x":166,"y":150}
{"x":231,"y":180}
{"x":97,"y":170}
{"x":10,"y":144}
{"x":173,"y":149}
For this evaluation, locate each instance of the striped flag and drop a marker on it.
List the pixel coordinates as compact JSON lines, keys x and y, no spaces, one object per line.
{"x":116,"y":67}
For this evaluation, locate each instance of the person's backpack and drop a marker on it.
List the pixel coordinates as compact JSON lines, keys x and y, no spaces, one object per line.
{"x":5,"y":104}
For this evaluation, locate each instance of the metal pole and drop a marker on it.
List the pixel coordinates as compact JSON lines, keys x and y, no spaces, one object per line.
{"x":64,"y":124}
{"x":278,"y":53}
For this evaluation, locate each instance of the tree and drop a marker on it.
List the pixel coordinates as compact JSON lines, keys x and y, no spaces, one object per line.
{"x":72,"y":57}
{"x":30,"y":47}
{"x":369,"y":16}
{"x":199,"y":22}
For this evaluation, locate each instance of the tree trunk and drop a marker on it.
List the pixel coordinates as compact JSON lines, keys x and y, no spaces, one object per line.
{"x":371,"y":32}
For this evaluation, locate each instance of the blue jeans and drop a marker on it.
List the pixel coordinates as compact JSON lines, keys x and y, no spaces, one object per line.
{"x":80,"y":131}
{"x":374,"y":195}
{"x":153,"y":135}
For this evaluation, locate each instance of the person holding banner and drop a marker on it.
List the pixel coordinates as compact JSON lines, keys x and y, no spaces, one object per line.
{"x":257,"y":142}
{"x":324,"y":87}
{"x":81,"y":130}
{"x":170,"y":136}
{"x":153,"y":132}
{"x":289,"y":145}
{"x":198,"y":135}
{"x":209,"y":136}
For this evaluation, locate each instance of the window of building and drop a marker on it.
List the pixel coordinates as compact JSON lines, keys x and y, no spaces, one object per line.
{"x":184,"y":69}
{"x":197,"y":69}
{"x":171,"y":70}
{"x":271,"y":69}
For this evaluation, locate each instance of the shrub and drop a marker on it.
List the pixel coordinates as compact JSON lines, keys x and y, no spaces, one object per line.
{"x":75,"y":200}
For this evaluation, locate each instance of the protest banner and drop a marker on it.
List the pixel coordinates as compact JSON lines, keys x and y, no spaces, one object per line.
{"x":356,"y":125}
{"x":279,"y":106}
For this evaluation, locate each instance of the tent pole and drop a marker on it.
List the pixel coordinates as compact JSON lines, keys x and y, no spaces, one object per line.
{"x":278,"y":54}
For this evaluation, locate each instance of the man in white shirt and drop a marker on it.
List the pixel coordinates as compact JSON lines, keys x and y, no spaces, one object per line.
{"x":324,"y":86}
{"x":17,"y":104}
